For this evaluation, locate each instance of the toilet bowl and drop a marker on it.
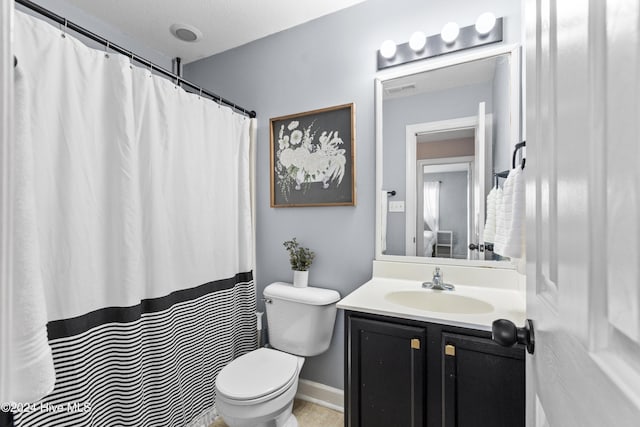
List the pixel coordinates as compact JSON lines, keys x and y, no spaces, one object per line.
{"x":257,"y":389}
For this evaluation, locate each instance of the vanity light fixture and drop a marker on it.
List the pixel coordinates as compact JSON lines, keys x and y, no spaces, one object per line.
{"x":418,"y":41}
{"x":487,"y":30}
{"x":450,"y":32}
{"x":485,"y":23}
{"x":388,"y":49}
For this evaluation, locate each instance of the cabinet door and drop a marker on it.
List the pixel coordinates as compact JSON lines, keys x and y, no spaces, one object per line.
{"x":483,"y":383}
{"x":386,"y":377}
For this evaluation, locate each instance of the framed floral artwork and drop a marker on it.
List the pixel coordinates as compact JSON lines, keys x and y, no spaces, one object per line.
{"x":313,"y":158}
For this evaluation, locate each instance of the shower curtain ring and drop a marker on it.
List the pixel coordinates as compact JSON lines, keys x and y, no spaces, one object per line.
{"x":150,"y":69}
{"x":64,"y":29}
{"x":106,"y":50}
{"x":200,"y":96}
{"x":131,"y":62}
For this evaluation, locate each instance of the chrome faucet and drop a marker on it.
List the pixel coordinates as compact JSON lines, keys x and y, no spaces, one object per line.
{"x":437,"y":282}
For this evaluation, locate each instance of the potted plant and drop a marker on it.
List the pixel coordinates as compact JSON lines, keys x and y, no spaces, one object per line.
{"x":300,"y":259}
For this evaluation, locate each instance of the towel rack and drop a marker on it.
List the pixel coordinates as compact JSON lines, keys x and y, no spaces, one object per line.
{"x":517,"y":148}
{"x":498,"y":175}
{"x":391,"y":193}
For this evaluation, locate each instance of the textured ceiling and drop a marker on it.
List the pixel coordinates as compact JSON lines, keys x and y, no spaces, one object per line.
{"x":224,"y":24}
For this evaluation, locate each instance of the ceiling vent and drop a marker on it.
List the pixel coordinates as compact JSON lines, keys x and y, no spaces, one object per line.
{"x":186,"y":33}
{"x":394,"y":90}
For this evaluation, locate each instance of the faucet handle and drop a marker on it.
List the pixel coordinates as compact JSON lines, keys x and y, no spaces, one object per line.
{"x":436,"y":272}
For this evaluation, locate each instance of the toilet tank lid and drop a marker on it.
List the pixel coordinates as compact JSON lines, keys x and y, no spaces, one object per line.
{"x":308,"y":295}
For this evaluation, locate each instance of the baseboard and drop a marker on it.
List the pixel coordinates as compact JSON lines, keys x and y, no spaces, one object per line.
{"x":320,"y":394}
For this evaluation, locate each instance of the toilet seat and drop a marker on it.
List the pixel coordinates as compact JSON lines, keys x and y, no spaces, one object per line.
{"x":257,"y":376}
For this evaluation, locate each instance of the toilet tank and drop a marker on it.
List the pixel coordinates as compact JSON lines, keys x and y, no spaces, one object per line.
{"x":300,"y":320}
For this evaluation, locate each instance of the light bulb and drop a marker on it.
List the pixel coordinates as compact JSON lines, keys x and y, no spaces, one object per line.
{"x":485,"y":23}
{"x":388,"y":49}
{"x":417,"y":41}
{"x":450,"y":32}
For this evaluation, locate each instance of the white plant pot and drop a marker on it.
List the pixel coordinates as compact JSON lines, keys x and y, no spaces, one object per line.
{"x":300,"y":278}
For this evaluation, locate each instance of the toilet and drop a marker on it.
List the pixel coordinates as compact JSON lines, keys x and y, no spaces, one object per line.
{"x":257,"y":389}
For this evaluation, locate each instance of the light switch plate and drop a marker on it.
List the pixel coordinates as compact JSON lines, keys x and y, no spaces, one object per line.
{"x":396,"y":206}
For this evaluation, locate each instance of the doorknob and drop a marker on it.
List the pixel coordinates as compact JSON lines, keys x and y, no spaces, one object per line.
{"x":505,"y":333}
{"x":474,"y":247}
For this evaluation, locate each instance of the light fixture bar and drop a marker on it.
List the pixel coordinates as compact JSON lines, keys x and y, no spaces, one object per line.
{"x":435,"y":46}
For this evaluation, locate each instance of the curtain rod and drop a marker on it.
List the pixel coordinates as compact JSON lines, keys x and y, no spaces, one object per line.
{"x":176,"y":77}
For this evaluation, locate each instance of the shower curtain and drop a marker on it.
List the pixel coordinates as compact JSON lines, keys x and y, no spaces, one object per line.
{"x":431,"y":213}
{"x":144,"y":225}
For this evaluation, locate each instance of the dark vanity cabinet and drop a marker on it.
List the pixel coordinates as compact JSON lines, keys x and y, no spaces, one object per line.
{"x":482,"y":382}
{"x":386,"y":382}
{"x":406,"y":373}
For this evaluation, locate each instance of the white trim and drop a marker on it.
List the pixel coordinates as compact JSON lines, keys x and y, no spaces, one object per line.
{"x":515,"y":100}
{"x":379,"y":163}
{"x":6,"y":199}
{"x":480,"y":178}
{"x":320,"y":394}
{"x":432,"y":64}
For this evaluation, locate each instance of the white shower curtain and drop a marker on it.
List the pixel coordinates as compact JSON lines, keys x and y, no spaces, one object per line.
{"x":143,"y":205}
{"x":431,"y":208}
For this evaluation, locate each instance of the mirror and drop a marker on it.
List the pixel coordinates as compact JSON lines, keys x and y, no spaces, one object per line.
{"x":443,"y":132}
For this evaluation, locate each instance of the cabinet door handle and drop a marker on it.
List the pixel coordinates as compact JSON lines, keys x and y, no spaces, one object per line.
{"x":505,"y":333}
{"x":415,"y":343}
{"x":449,"y":350}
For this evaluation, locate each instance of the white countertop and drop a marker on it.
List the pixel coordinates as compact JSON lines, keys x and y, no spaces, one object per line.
{"x":508,"y":303}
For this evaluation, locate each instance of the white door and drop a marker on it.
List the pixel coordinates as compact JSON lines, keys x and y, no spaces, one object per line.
{"x":6,"y":106}
{"x":583,"y":212}
{"x":479,"y":181}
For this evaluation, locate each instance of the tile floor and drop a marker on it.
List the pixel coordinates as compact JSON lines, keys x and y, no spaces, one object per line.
{"x":309,"y":415}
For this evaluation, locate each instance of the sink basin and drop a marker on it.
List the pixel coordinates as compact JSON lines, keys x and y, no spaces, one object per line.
{"x":439,"y":301}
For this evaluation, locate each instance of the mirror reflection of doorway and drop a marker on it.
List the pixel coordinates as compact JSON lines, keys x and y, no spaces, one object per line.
{"x":444,"y":222}
{"x":461,"y":140}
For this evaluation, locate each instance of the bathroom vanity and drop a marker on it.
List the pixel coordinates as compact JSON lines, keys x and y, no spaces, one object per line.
{"x":417,"y":357}
{"x":406,"y":373}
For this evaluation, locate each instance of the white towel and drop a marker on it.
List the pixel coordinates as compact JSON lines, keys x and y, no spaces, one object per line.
{"x":31,"y":371}
{"x":490,"y":224}
{"x":509,"y":240}
{"x":499,"y":199}
{"x":384,"y":203}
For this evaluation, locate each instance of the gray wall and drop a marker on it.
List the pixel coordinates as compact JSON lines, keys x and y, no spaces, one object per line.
{"x":101,"y":28}
{"x":400,"y":112}
{"x":325,"y":62}
{"x":453,"y":207}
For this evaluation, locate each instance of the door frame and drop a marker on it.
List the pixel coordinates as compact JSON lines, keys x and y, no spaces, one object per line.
{"x":411,"y":144}
{"x":469,"y":161}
